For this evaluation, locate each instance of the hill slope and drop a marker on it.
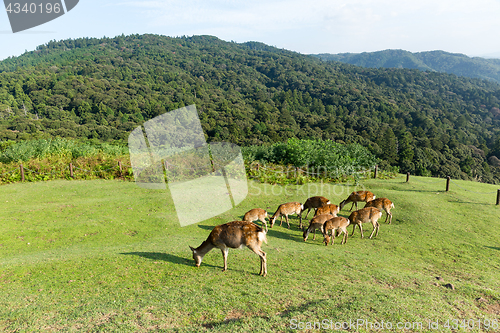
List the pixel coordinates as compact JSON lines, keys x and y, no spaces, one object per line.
{"x":73,"y":259}
{"x":425,"y":123}
{"x":439,"y":61}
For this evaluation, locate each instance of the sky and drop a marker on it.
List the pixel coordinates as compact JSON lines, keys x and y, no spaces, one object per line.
{"x":308,"y":27}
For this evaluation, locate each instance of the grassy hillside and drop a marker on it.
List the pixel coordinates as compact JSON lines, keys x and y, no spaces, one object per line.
{"x":109,"y":256}
{"x":440,"y":61}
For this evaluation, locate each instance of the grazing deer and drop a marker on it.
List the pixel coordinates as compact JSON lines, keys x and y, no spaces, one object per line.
{"x":336,"y":224}
{"x":256,"y":214}
{"x":328,"y":209}
{"x":316,"y":223}
{"x":382,"y":204}
{"x":285,"y":210}
{"x":369,"y":214}
{"x":235,"y":235}
{"x":313,"y":202}
{"x":354,"y":197}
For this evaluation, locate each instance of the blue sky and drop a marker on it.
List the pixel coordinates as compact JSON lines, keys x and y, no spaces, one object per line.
{"x":322,"y":26}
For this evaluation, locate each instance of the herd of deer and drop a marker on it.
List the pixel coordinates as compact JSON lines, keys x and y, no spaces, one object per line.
{"x":238,"y":234}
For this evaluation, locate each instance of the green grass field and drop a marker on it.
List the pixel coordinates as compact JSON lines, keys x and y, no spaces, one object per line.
{"x":108,"y":256}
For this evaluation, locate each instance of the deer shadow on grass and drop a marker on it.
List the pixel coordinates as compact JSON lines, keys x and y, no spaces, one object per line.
{"x":493,"y":247}
{"x":160,"y":256}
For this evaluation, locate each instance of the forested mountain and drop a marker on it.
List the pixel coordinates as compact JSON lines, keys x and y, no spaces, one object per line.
{"x":250,"y":94}
{"x":439,"y":61}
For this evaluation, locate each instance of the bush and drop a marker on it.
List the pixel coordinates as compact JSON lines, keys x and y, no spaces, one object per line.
{"x":335,"y":158}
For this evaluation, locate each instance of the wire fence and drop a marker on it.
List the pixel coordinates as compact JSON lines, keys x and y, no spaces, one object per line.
{"x":450,"y":181}
{"x":22,"y":173}
{"x":120,"y":170}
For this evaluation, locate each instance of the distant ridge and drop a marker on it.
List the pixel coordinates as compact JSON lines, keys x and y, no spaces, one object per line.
{"x":438,"y":61}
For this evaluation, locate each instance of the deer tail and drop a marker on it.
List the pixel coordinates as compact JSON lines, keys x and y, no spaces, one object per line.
{"x":262,"y":236}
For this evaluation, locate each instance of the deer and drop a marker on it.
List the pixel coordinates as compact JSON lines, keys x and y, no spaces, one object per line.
{"x":328,"y":209}
{"x":285,"y":210}
{"x":256,"y":214}
{"x":336,"y":224}
{"x":316,"y":223}
{"x":313,"y":202}
{"x":382,"y":204}
{"x":369,"y":214}
{"x":235,"y":235}
{"x":354,"y":197}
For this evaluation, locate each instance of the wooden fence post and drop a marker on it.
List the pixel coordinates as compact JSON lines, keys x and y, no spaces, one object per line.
{"x":22,"y":172}
{"x":120,"y":166}
{"x":498,"y":197}
{"x":71,"y":170}
{"x":407,"y":177}
{"x":447,"y":183}
{"x":375,"y":172}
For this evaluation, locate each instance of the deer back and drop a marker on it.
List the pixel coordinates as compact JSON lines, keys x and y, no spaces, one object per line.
{"x":288,"y":209}
{"x":237,"y":234}
{"x":368,"y":214}
{"x":316,"y":202}
{"x":335,"y":223}
{"x":321,"y":218}
{"x":328,"y":209}
{"x":380,"y":203}
{"x":362,"y":196}
{"x":255,"y":214}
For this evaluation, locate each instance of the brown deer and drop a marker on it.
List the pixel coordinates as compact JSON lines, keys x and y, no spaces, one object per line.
{"x":354,"y":197}
{"x":382,"y":204}
{"x":316,"y":223}
{"x":235,"y":235}
{"x":328,"y":209}
{"x":336,"y":224}
{"x":313,"y":202}
{"x":285,"y":210}
{"x":256,"y":214}
{"x":369,"y":214}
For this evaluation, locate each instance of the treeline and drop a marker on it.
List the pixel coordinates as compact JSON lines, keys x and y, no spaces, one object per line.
{"x":425,"y":123}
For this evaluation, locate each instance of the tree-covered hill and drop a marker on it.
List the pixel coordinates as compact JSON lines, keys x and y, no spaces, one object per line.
{"x":251,"y":94}
{"x":439,"y":61}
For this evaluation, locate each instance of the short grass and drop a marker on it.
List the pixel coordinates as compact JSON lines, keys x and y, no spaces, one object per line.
{"x":107,"y":256}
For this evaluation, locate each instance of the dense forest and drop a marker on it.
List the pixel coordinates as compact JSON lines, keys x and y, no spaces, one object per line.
{"x":439,"y":61}
{"x":426,"y":123}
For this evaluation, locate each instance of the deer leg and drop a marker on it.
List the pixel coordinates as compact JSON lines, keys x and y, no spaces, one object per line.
{"x":264,"y":223}
{"x":333,"y":236}
{"x":288,"y":223}
{"x":345,"y":237}
{"x":390,"y":220}
{"x":314,"y":236}
{"x":354,"y":202}
{"x":353,"y":229}
{"x":225,"y":250}
{"x":262,"y":255}
{"x":375,"y":228}
{"x":361,"y":230}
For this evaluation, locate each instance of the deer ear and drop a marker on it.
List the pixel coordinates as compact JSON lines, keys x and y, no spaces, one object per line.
{"x":192,"y":249}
